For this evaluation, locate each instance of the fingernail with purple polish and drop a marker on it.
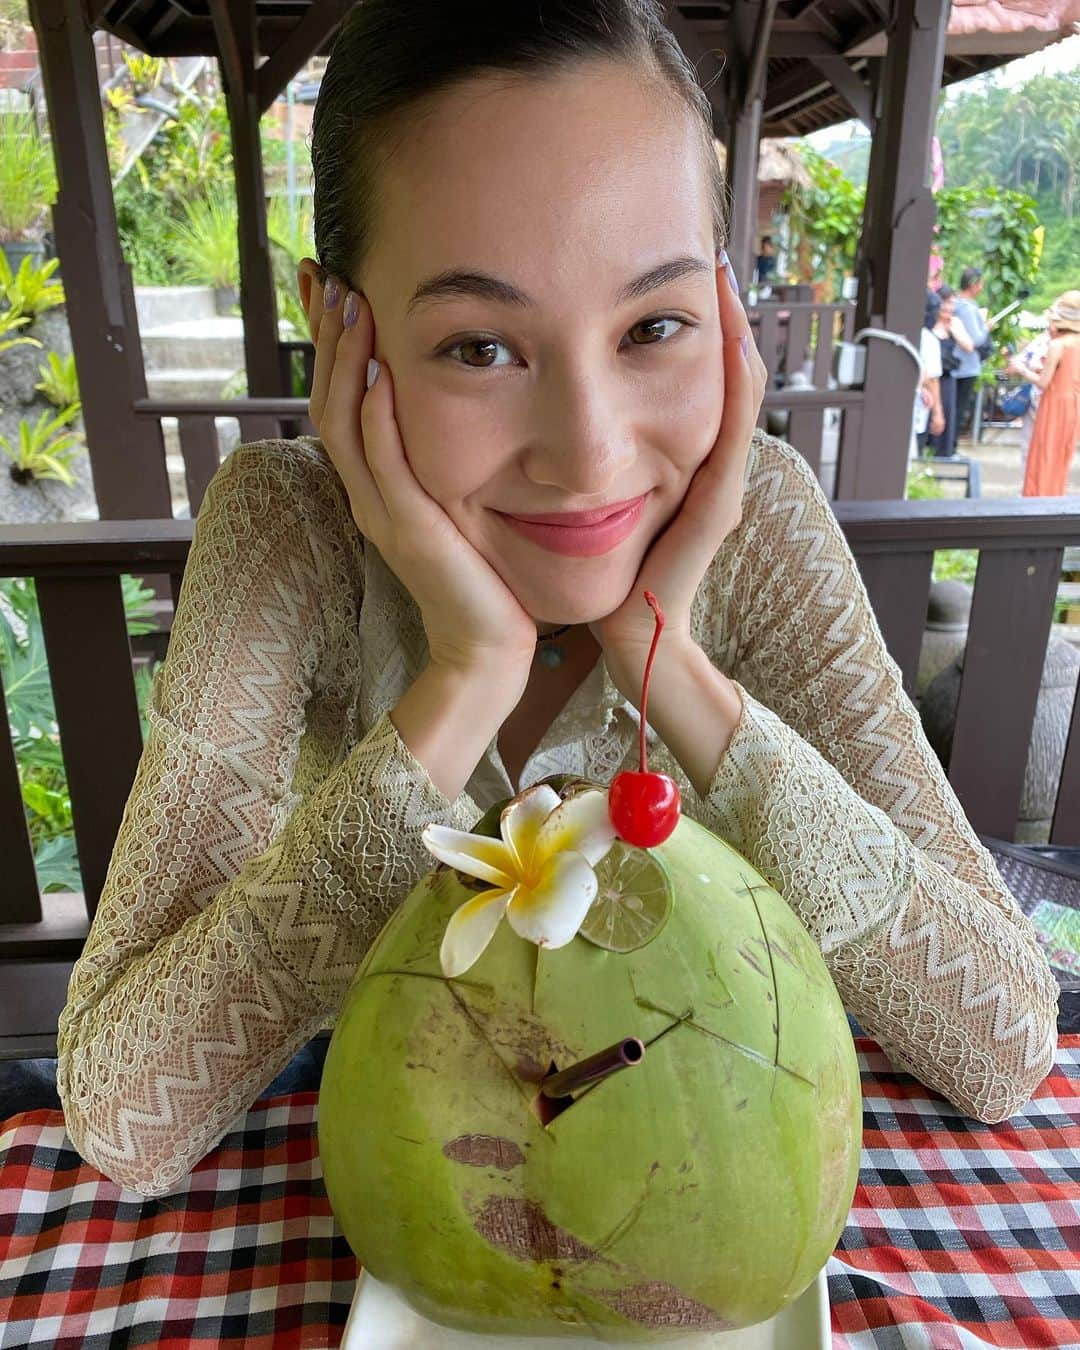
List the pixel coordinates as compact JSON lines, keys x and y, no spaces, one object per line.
{"x":352,"y":309}
{"x":721,"y":257}
{"x":732,"y":279}
{"x":372,"y":372}
{"x":331,"y":293}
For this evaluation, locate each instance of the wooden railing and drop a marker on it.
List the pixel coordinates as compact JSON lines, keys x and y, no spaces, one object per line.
{"x":77,"y":570}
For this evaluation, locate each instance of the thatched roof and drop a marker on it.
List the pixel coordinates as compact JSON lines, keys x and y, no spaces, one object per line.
{"x":778,"y":162}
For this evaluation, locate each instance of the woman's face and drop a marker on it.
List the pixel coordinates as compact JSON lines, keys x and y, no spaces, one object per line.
{"x":946,"y":311}
{"x":575,"y":394}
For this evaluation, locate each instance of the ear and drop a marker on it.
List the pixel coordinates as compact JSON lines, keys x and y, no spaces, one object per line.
{"x":309,"y":280}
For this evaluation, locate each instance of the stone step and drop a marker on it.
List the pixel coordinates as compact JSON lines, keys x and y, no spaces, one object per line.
{"x":195,"y":344}
{"x":158,"y":305}
{"x":188,"y":384}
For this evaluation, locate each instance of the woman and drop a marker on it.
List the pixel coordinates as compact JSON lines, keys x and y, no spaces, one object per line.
{"x":1057,"y":422}
{"x":1032,"y":356}
{"x":517,"y":224}
{"x":954,"y":338}
{"x":929,"y":416}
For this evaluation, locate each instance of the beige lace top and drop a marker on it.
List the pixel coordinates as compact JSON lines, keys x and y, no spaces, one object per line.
{"x":275,"y":819}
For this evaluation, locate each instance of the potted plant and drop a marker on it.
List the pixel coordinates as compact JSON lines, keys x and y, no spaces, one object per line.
{"x":206,"y":249}
{"x":27,"y":186}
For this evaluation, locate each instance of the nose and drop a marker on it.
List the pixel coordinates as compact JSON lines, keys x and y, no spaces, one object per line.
{"x":583,"y":442}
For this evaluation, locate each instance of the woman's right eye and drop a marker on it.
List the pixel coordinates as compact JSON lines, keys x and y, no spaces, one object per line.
{"x":476,"y":344}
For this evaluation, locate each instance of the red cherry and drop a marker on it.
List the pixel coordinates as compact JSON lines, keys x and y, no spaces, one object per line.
{"x":644,"y":807}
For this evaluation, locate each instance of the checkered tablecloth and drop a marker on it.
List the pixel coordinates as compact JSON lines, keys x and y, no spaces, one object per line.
{"x":961,"y":1235}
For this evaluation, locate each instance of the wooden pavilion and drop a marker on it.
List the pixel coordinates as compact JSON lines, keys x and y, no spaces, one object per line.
{"x":789,"y":66}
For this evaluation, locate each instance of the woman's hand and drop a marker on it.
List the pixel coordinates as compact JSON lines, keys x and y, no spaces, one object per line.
{"x":471,"y":617}
{"x":679,"y":557}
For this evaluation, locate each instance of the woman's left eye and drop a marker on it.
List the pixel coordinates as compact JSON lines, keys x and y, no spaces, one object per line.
{"x":483,"y":346}
{"x":653,"y":325}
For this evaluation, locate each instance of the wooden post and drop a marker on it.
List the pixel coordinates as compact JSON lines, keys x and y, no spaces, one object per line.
{"x":127,"y":453}
{"x":234,"y":26}
{"x":895,"y":246}
{"x":744,"y":77}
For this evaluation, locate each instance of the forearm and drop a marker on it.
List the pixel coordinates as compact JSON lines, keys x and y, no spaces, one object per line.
{"x":693,"y":707}
{"x":448,"y":718}
{"x":950,"y":983}
{"x":163,"y":1043}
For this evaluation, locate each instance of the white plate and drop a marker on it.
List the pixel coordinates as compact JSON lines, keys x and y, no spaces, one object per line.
{"x":380,"y":1319}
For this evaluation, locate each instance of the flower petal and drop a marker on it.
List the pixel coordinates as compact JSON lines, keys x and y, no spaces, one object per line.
{"x":552,"y":912}
{"x":521,"y":821}
{"x":580,"y":824}
{"x":476,"y":854}
{"x":471,"y":927}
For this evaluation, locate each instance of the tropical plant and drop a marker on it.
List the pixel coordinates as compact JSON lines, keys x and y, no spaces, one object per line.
{"x":34,"y":731}
{"x":27,"y":175}
{"x":45,"y":449}
{"x":145,"y":72}
{"x":290,"y":240}
{"x":10,"y":319}
{"x":826,"y":220}
{"x":205,"y":242}
{"x":30,"y":290}
{"x":59,"y":380}
{"x":996,"y":229}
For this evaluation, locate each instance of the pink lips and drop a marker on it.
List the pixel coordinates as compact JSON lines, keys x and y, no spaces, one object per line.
{"x":577,"y":540}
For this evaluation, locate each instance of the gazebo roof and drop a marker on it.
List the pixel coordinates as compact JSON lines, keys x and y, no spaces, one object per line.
{"x":806,"y":38}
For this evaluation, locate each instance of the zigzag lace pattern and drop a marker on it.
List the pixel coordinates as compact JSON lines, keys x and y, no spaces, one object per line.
{"x":276,"y":815}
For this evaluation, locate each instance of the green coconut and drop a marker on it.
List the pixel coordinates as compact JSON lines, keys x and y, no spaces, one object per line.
{"x":703,"y":1188}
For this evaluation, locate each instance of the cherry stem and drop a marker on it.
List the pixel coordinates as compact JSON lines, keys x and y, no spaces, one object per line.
{"x":652,"y":602}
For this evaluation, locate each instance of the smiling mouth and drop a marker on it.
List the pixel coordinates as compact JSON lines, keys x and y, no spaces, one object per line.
{"x":577,"y":519}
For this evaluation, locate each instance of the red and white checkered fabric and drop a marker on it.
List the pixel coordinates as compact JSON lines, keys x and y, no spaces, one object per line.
{"x":961,"y":1235}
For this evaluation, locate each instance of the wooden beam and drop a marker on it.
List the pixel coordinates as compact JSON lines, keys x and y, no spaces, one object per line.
{"x":848,"y":85}
{"x":759,"y":55}
{"x":895,"y":245}
{"x":322,"y":19}
{"x":95,"y":9}
{"x":127,"y":453}
{"x":235,"y":28}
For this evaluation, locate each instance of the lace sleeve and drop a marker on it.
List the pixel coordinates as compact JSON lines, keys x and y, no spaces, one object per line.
{"x":835,"y":796}
{"x":233,"y":915}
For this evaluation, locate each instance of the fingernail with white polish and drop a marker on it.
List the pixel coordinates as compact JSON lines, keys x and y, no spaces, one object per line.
{"x":372,"y":372}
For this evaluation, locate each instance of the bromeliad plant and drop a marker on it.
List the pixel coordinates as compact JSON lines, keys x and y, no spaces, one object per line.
{"x":59,"y":381}
{"x":30,"y":290}
{"x":45,"y":450}
{"x":10,"y":320}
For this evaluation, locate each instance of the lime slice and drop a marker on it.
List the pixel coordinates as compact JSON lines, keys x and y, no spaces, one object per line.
{"x":633,"y":899}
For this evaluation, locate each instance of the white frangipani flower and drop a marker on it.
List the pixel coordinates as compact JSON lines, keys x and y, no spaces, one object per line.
{"x":541,"y":871}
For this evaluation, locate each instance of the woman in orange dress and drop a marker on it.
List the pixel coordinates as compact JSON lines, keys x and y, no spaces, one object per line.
{"x":1057,"y":425}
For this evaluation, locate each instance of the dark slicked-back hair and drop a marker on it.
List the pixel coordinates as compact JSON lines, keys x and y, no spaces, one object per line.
{"x":392,"y":57}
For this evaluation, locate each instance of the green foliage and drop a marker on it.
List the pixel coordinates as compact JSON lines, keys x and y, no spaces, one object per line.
{"x":27,"y":175}
{"x":30,"y":290}
{"x":59,"y":380}
{"x":1025,"y":138}
{"x":45,"y":449}
{"x":826,"y":219}
{"x":950,"y":564}
{"x":34,"y":731}
{"x":145,"y":72}
{"x":205,"y":242}
{"x":992,"y":228}
{"x":10,"y":320}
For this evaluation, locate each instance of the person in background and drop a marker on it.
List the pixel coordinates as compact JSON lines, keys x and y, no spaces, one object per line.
{"x":765,"y":265}
{"x":955,"y":343}
{"x":929,"y":416}
{"x":971,"y":359}
{"x":1057,"y":423}
{"x":1033,"y":356}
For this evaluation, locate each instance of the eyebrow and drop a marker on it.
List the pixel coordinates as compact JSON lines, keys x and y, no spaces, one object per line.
{"x":457,"y":283}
